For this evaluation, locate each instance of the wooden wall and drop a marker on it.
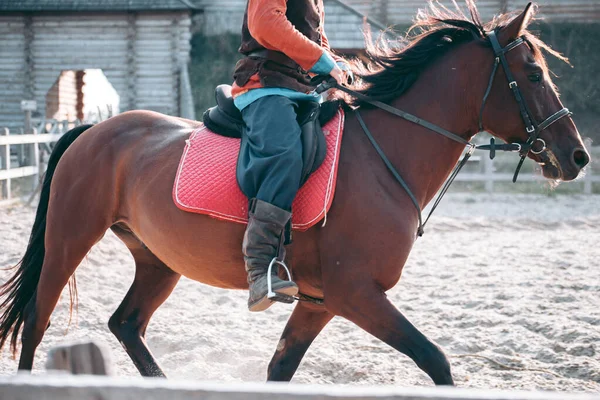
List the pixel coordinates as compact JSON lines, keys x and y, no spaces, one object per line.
{"x":140,"y":54}
{"x":12,"y":70}
{"x":403,"y":11}
{"x":343,"y":25}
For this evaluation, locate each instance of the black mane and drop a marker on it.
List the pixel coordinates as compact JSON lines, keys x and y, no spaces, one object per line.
{"x":395,"y":64}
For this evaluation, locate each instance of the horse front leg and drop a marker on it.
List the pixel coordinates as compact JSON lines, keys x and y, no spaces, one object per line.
{"x":369,"y":308}
{"x":305,"y":323}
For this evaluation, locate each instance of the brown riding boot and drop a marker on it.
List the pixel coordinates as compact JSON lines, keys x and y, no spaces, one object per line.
{"x":263,"y":247}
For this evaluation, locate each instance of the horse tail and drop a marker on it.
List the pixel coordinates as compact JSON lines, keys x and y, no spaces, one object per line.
{"x":20,"y":289}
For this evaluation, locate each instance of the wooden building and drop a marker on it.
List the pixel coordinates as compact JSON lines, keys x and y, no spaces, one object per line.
{"x":344,"y":23}
{"x":389,"y":12}
{"x":141,"y":46}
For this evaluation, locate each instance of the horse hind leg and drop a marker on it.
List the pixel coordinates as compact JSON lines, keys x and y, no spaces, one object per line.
{"x":67,"y":241}
{"x":152,"y":285}
{"x":305,"y":323}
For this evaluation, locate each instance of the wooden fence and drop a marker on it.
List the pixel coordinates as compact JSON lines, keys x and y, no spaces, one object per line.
{"x":26,"y":159}
{"x":28,"y":162}
{"x":488,"y":175}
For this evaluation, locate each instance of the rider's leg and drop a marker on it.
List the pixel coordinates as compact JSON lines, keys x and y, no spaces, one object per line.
{"x":269,"y":173}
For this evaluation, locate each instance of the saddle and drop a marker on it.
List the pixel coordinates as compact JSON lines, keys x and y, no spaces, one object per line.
{"x":226,"y":120}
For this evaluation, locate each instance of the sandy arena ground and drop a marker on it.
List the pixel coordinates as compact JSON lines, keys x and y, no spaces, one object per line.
{"x":515,"y":278}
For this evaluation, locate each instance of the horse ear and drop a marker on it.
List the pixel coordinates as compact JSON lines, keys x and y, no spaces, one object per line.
{"x":515,"y":28}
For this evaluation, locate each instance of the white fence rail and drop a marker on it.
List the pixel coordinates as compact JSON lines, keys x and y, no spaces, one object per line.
{"x":27,"y":154}
{"x":30,"y":145}
{"x":64,"y":387}
{"x":488,"y":174}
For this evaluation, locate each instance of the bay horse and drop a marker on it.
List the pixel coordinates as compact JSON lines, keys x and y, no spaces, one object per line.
{"x":119,"y":174}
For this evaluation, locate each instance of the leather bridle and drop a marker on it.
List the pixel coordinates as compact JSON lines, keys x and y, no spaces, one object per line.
{"x":532,"y":128}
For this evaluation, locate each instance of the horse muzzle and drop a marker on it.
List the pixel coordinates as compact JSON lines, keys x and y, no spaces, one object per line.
{"x":562,"y":166}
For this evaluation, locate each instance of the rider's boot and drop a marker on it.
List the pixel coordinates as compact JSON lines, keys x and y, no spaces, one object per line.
{"x":263,"y":247}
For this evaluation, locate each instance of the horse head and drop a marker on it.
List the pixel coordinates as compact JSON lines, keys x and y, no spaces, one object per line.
{"x":523,"y":105}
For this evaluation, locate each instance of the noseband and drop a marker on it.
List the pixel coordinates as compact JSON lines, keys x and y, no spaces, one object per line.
{"x":532,"y":128}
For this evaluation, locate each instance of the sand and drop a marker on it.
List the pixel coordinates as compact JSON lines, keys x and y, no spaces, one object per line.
{"x":515,"y":278}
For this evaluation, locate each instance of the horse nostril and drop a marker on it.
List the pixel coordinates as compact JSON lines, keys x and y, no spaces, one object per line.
{"x":580,"y":157}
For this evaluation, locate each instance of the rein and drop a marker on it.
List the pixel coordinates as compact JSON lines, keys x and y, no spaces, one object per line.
{"x":533,"y":129}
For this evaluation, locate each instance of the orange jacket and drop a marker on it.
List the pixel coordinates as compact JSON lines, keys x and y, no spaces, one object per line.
{"x":270,"y":27}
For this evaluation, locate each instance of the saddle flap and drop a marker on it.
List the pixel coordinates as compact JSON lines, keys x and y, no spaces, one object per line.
{"x":314,"y":147}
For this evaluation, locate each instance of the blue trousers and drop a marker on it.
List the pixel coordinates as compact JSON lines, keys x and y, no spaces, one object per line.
{"x":270,"y":163}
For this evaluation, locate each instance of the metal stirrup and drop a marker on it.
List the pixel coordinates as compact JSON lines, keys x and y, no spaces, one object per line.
{"x":270,"y":292}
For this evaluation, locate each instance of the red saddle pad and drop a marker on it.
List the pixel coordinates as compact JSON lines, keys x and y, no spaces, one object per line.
{"x":206,"y":181}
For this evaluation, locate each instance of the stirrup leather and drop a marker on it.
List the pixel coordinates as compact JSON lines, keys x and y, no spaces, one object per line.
{"x":270,"y":293}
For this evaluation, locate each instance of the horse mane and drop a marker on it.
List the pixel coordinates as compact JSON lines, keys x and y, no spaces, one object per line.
{"x":394,"y":64}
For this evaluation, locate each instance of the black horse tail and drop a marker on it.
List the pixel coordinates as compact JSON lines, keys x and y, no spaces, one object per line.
{"x":20,"y":289}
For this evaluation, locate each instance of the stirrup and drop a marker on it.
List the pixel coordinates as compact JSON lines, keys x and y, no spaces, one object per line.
{"x":270,"y":293}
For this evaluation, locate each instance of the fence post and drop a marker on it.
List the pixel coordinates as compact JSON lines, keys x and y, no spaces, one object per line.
{"x":80,"y":358}
{"x":35,"y":156}
{"x":488,"y":172}
{"x":7,"y":162}
{"x":587,"y":180}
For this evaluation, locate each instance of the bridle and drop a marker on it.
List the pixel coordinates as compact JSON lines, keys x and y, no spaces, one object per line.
{"x":532,"y":128}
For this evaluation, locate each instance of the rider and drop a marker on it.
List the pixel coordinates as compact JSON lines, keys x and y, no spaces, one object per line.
{"x":282,"y":41}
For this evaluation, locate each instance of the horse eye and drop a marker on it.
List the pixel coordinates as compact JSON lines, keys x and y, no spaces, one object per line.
{"x":535,"y":77}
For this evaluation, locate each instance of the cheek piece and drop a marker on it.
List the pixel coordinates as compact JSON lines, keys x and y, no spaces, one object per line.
{"x":532,"y":128}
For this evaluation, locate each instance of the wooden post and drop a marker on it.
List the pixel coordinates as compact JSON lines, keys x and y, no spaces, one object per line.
{"x":132,"y":80}
{"x":82,"y":358}
{"x":27,"y":121}
{"x":186,"y":98}
{"x":26,"y":131}
{"x":7,"y":161}
{"x":28,"y":106}
{"x":19,"y":150}
{"x":488,"y":172}
{"x":36,"y":162}
{"x":587,"y":181}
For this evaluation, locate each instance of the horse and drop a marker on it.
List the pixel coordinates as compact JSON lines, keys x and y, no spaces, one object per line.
{"x":119,"y":175}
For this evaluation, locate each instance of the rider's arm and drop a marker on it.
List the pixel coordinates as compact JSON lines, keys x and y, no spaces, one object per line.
{"x":271,"y":28}
{"x":343,"y":64}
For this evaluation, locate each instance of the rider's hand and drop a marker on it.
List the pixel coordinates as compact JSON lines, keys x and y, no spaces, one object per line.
{"x":339,"y":75}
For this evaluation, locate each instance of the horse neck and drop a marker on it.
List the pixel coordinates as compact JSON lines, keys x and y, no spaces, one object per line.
{"x":446,"y":94}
